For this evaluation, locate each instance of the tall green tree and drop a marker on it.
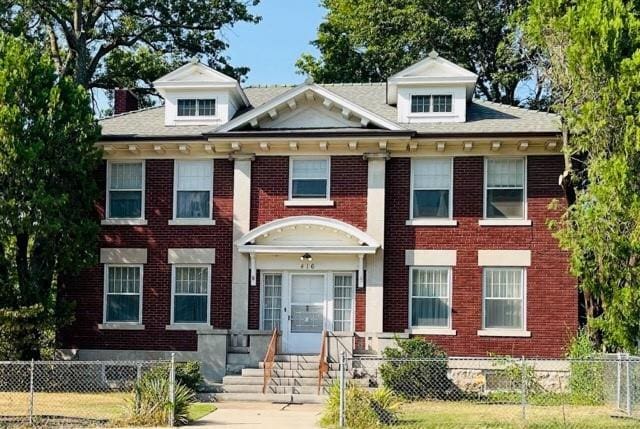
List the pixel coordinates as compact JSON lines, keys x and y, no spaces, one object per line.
{"x":592,"y":52}
{"x":47,"y":192}
{"x":369,"y":40}
{"x":110,"y":43}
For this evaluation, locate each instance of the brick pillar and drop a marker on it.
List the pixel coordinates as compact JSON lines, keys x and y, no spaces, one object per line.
{"x":124,"y":101}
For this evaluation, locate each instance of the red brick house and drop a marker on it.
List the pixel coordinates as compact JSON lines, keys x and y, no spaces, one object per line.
{"x":370,"y":211}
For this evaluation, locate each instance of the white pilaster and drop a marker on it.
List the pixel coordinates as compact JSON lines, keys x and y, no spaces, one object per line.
{"x":375,"y":228}
{"x":240,"y":262}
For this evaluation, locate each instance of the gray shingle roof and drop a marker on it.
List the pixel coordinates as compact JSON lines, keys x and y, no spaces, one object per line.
{"x":483,"y":117}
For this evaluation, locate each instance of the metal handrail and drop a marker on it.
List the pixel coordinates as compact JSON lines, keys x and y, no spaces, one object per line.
{"x":323,"y":365}
{"x":269,"y":358}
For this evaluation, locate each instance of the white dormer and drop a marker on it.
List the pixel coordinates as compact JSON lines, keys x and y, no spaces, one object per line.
{"x":196,"y":94}
{"x":432,"y":90}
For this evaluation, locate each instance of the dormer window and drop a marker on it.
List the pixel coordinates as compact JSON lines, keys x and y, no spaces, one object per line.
{"x":196,"y":107}
{"x":431,"y":104}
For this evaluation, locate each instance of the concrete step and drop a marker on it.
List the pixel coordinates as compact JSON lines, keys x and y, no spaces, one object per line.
{"x":297,"y":358}
{"x":289,"y":390}
{"x":299,"y":365}
{"x":258,"y":372}
{"x":272,"y":397}
{"x":283,"y":381}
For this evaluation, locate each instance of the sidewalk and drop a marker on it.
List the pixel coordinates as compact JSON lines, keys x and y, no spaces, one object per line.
{"x":262,"y":415}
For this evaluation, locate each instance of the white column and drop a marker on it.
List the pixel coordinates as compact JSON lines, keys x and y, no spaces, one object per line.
{"x":375,"y":228}
{"x":240,"y":262}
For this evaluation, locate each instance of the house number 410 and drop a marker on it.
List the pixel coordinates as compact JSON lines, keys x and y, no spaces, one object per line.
{"x":307,"y":266}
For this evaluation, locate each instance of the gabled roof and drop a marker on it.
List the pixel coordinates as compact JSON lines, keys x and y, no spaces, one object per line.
{"x":328,"y":98}
{"x":195,"y":75}
{"x":433,"y":70}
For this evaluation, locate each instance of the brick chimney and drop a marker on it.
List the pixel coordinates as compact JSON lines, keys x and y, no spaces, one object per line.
{"x":124,"y":101}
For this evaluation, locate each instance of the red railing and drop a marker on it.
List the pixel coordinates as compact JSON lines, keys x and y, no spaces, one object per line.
{"x":323,"y":365}
{"x":269,"y":358}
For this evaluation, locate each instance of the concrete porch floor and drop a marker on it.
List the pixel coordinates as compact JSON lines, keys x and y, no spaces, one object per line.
{"x":261,"y":415}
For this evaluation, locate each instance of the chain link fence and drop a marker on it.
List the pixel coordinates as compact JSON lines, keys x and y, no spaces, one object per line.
{"x":74,"y":393}
{"x":500,"y":393}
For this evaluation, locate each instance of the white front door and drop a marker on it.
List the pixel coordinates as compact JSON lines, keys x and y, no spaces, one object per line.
{"x":306,"y":313}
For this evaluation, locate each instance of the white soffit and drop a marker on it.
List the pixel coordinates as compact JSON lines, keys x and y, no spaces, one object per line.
{"x":123,"y":256}
{"x":504,"y":258}
{"x":444,"y":258}
{"x":191,"y":256}
{"x":324,"y":94}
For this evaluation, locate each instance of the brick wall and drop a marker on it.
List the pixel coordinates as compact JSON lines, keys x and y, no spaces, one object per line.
{"x":157,"y":237}
{"x":551,"y":294}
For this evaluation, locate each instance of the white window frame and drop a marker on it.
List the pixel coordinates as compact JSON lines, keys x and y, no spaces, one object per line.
{"x":430,"y":94}
{"x":121,"y":325}
{"x":298,"y":201}
{"x":353,"y":299}
{"x":431,"y":221}
{"x":435,"y":330}
{"x":195,"y":220}
{"x":196,"y":116}
{"x":524,"y":220}
{"x":505,"y":332}
{"x":173,"y":295}
{"x":282,"y":285}
{"x":120,"y":220}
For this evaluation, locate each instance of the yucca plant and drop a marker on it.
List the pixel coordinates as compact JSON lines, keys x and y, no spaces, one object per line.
{"x":151,"y":406}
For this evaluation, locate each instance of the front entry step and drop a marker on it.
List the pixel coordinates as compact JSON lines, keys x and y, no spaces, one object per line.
{"x":272,"y":397}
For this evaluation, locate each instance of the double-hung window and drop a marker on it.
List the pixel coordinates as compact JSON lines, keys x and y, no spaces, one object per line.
{"x":309,"y":178}
{"x":343,"y":301}
{"x":505,"y":196}
{"x":431,"y":188}
{"x":271,"y":300}
{"x":125,"y":189}
{"x":437,"y":103}
{"x":191,"y":294}
{"x":504,"y":303}
{"x":430,"y":297}
{"x":123,"y":294}
{"x":196,"y":107}
{"x":193,"y":189}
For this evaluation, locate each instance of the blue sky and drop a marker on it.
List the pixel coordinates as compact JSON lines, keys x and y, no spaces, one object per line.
{"x":272,"y":47}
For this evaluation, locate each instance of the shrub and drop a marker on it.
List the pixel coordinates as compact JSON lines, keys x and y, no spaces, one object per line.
{"x":586,"y":381}
{"x":363,"y":409}
{"x":187,"y":373}
{"x":150,"y":405}
{"x":416,"y":369}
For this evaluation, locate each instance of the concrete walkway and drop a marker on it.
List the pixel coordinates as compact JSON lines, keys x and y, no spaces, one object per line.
{"x":262,"y":415}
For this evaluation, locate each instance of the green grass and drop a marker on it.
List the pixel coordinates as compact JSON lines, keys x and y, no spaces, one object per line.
{"x":200,"y":409}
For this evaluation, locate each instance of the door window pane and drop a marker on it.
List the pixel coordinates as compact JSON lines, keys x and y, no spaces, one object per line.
{"x":123,"y":294}
{"x":309,"y":178}
{"x":194,"y":186}
{"x":503,"y":298}
{"x":191,"y":295}
{"x":272,"y":301}
{"x":342,"y":302}
{"x":307,"y":303}
{"x":430,"y":301}
{"x":505,"y":188}
{"x":125,"y":190}
{"x":431,"y":187}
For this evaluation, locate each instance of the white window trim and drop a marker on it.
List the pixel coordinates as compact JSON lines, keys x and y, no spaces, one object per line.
{"x":118,"y":220}
{"x":121,"y":325}
{"x":196,"y":117}
{"x":309,"y":201}
{"x":192,"y":220}
{"x":431,"y":221}
{"x":524,"y":221}
{"x":190,"y":325}
{"x":431,"y":330}
{"x":411,"y":114}
{"x":505,"y":332}
{"x":353,"y":299}
{"x":282,"y":277}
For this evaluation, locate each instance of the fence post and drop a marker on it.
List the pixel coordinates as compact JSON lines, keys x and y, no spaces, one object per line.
{"x":628,"y":385}
{"x":172,"y":382}
{"x":523,"y":389}
{"x":31,"y":393}
{"x":342,"y":387}
{"x":619,"y":382}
